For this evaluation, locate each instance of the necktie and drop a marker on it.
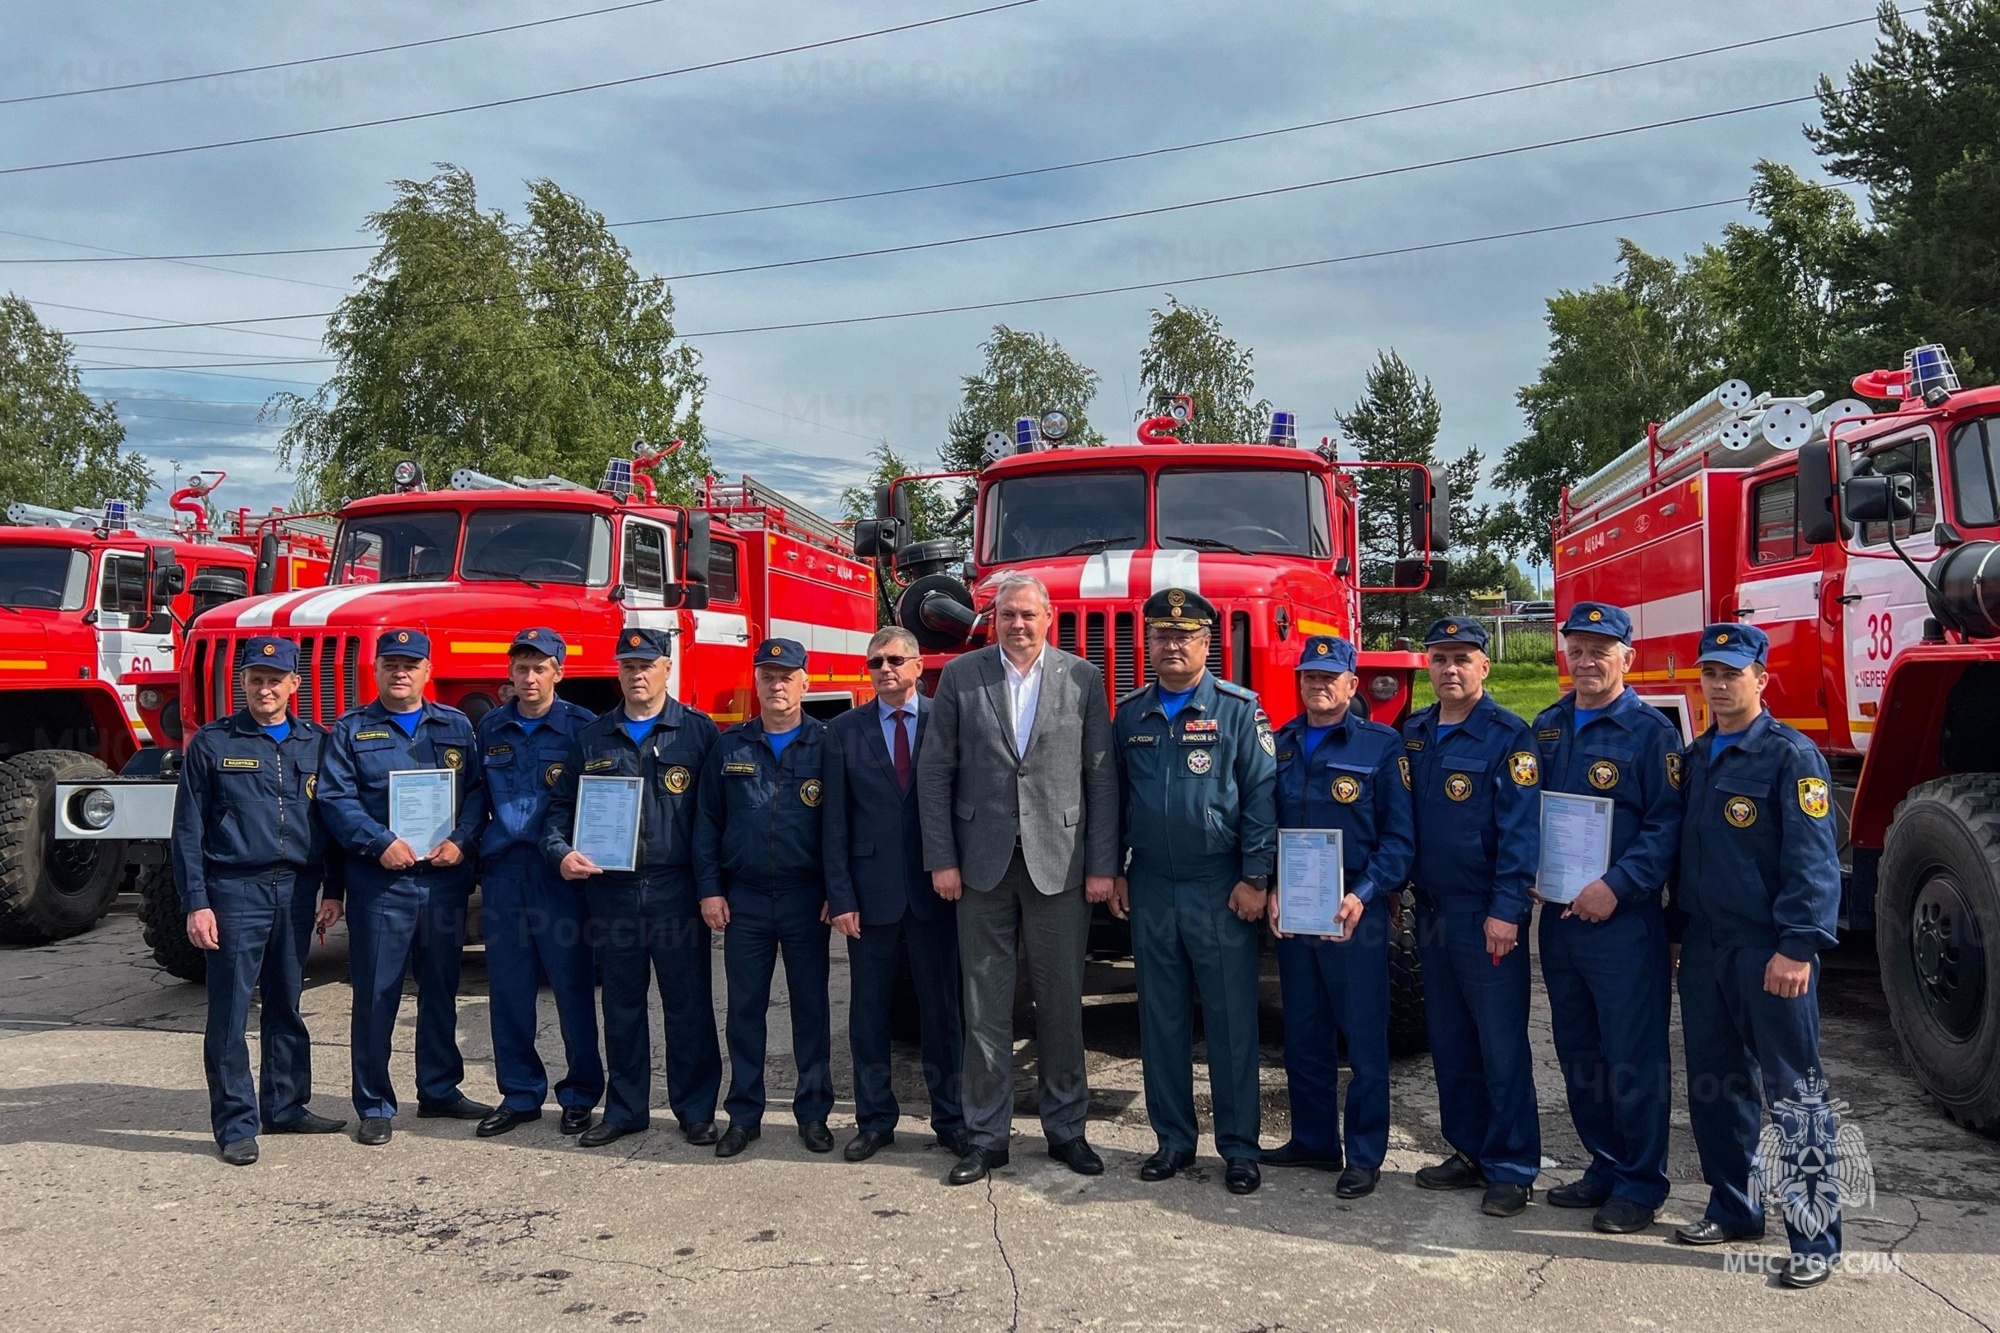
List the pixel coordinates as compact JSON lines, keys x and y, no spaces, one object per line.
{"x":902,"y":717}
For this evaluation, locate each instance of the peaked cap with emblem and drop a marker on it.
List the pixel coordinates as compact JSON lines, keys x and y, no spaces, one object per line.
{"x":1733,"y":644}
{"x":410,"y":643}
{"x":1327,"y":652}
{"x":1177,"y":608}
{"x":1457,"y":629}
{"x":643,"y":645}
{"x":1599,"y":618}
{"x":265,"y":651}
{"x":544,"y":641}
{"x":781,"y":653}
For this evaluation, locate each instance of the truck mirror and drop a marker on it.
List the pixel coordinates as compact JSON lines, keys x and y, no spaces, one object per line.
{"x":1416,"y":574}
{"x":695,"y":551}
{"x":875,"y":538}
{"x":267,"y":564}
{"x":167,"y":578}
{"x":1820,"y":519}
{"x":1430,"y":509}
{"x":1878,"y":498}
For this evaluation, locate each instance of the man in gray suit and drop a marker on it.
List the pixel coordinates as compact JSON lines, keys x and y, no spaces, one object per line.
{"x":1019,"y":798}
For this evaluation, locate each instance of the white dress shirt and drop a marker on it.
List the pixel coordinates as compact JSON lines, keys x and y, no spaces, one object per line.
{"x":1024,"y":690}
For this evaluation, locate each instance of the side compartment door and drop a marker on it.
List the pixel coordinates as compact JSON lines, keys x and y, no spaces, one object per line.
{"x":1778,"y":592}
{"x":1885,"y":603}
{"x":724,"y":637}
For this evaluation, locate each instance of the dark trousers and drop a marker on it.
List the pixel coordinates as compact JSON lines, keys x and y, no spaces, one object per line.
{"x":1185,"y":937}
{"x":1748,"y":1049}
{"x":264,"y":928}
{"x":1608,"y":1005}
{"x":931,"y":947}
{"x":995,"y":927}
{"x":761,"y":924}
{"x":396,"y":925}
{"x":1336,"y":989}
{"x":648,"y":926}
{"x":535,"y":928}
{"x":1477,"y":1013}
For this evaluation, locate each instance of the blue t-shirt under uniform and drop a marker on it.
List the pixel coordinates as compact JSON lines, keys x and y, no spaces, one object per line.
{"x":780,"y":739}
{"x":1585,"y":716}
{"x":1314,"y":735}
{"x":408,"y":721}
{"x":531,"y":724}
{"x":639,"y":730}
{"x":1172,"y":701}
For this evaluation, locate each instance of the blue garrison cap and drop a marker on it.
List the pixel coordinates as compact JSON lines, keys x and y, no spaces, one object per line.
{"x":1599,"y":618}
{"x":643,"y":645}
{"x":265,"y":651}
{"x":403,"y":643}
{"x":781,"y":653}
{"x":1734,"y":645}
{"x":545,"y":641}
{"x":1326,"y":652}
{"x":1461,"y":629}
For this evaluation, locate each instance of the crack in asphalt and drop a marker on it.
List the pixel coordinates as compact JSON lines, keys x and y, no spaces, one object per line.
{"x":1539,"y":1276}
{"x":626,"y":1263}
{"x":1917,"y":1212}
{"x":1013,"y":1277}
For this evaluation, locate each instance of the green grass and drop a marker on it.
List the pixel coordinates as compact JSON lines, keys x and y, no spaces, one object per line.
{"x":1524,"y":687}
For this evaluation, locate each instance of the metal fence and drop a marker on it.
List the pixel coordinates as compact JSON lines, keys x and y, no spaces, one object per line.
{"x":1520,"y":638}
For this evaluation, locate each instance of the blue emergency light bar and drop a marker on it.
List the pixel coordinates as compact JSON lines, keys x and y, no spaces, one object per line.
{"x":617,"y":478}
{"x":1930,"y":368}
{"x":1027,"y":435}
{"x":117,"y":515}
{"x":1284,"y":430}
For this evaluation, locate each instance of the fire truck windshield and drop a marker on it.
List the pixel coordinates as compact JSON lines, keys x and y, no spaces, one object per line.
{"x":537,"y":546}
{"x":53,"y":578}
{"x":1256,"y":512}
{"x":401,"y":547}
{"x":1030,"y":518}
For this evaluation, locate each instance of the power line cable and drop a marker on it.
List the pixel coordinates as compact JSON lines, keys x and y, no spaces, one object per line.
{"x":318,"y":60}
{"x":162,"y":322}
{"x":520,"y":99}
{"x":1348,"y":119}
{"x":126,"y":256}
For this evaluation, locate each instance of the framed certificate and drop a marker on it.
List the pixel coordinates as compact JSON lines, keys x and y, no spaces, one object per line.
{"x":423,"y":807}
{"x":1576,"y":844}
{"x":1312,"y":880}
{"x":607,"y":821}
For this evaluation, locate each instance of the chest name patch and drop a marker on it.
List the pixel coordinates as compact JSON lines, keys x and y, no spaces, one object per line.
{"x":740,"y":766}
{"x":594,"y":765}
{"x":242,"y":763}
{"x":371,"y":736}
{"x":1142,"y":738}
{"x":495,"y":751}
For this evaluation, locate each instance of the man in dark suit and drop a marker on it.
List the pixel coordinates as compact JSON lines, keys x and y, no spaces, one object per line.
{"x":901,"y":915}
{"x":1019,"y":794}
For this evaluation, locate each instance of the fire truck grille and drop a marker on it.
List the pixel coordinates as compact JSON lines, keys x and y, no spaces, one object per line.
{"x":1117,"y":648}
{"x":327,"y":681}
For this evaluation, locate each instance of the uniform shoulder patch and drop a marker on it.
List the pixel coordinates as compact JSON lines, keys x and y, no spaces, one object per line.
{"x":1130,"y":695}
{"x":1676,"y":769}
{"x":1814,"y":797}
{"x":1523,"y":767}
{"x":1231,"y":688}
{"x":1403,"y":767}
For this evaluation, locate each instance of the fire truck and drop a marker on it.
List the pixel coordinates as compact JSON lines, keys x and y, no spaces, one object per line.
{"x":96,"y":603}
{"x":1862,"y":540}
{"x":1266,"y":531}
{"x":475,"y":563}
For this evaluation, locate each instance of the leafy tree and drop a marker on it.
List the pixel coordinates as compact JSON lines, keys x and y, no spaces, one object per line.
{"x":1395,"y":421}
{"x":1187,"y":353}
{"x":512,"y":348}
{"x":929,"y":510}
{"x":1024,"y":375}
{"x":57,"y":446}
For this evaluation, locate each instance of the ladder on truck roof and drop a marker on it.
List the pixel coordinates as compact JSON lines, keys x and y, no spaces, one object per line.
{"x":746,"y":501}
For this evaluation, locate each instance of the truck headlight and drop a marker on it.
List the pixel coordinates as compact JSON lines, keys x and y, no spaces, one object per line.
{"x":1383,"y":686}
{"x":93,"y":809}
{"x":149,"y":698}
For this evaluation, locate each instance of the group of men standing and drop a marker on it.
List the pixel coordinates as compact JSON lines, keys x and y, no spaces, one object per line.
{"x":959,"y":834}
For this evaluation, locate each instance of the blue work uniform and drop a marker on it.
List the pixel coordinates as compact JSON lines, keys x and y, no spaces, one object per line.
{"x":1198,"y":816}
{"x":1354,"y":780}
{"x":1478,"y":827}
{"x":1608,"y":981}
{"x":535,"y":921}
{"x":1759,"y":875}
{"x":764,"y":842}
{"x":249,"y":846}
{"x":646,"y":923}
{"x":400,"y":919}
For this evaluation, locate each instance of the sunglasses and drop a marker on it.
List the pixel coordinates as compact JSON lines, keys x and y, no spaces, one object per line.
{"x":888,"y":659}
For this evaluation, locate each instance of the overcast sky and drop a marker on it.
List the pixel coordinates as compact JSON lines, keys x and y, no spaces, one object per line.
{"x":1050,"y":82}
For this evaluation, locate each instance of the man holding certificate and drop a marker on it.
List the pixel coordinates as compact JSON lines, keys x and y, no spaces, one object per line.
{"x":1338,"y":771}
{"x":620,"y":827}
{"x":1475,"y":778}
{"x":1196,"y":774}
{"x":1611,"y":820}
{"x":400,"y":791}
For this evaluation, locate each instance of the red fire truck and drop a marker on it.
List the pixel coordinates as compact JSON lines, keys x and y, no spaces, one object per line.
{"x":474,"y":564}
{"x":1267,"y":532}
{"x":1863,"y":542}
{"x":95,"y":602}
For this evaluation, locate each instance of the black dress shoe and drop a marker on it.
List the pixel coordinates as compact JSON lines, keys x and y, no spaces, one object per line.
{"x":1457,"y":1172}
{"x":1078,"y":1156}
{"x":1291,"y":1154}
{"x":1165,"y":1164}
{"x":1806,"y":1270}
{"x":700,"y":1133}
{"x":240,"y":1152}
{"x":1506,"y":1200}
{"x":1577,"y":1194}
{"x":1242,"y":1175}
{"x":738,"y":1137}
{"x":1710,"y":1232}
{"x":867,"y":1143}
{"x":602,"y":1133}
{"x":374,"y":1131}
{"x":975,"y":1164}
{"x":1357,"y":1181}
{"x":504,"y":1119}
{"x":1621,"y":1217}
{"x":816,"y":1136}
{"x":462,"y":1109}
{"x":309,"y":1124}
{"x":955,"y":1141}
{"x":575,"y":1119}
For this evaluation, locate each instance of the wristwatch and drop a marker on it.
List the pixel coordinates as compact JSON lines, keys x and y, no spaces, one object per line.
{"x":1261,"y":883}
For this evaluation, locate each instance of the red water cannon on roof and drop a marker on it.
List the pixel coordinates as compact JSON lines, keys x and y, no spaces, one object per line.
{"x":1160,"y":429}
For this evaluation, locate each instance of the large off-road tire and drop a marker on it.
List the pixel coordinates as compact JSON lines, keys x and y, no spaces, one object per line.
{"x":1937,"y":936}
{"x":166,"y":925}
{"x":1408,"y":1033}
{"x":50,"y":890}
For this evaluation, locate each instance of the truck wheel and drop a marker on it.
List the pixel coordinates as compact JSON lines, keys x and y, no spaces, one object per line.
{"x":166,"y":925}
{"x":50,"y":890}
{"x":1937,"y":936}
{"x":1408,"y":1034}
